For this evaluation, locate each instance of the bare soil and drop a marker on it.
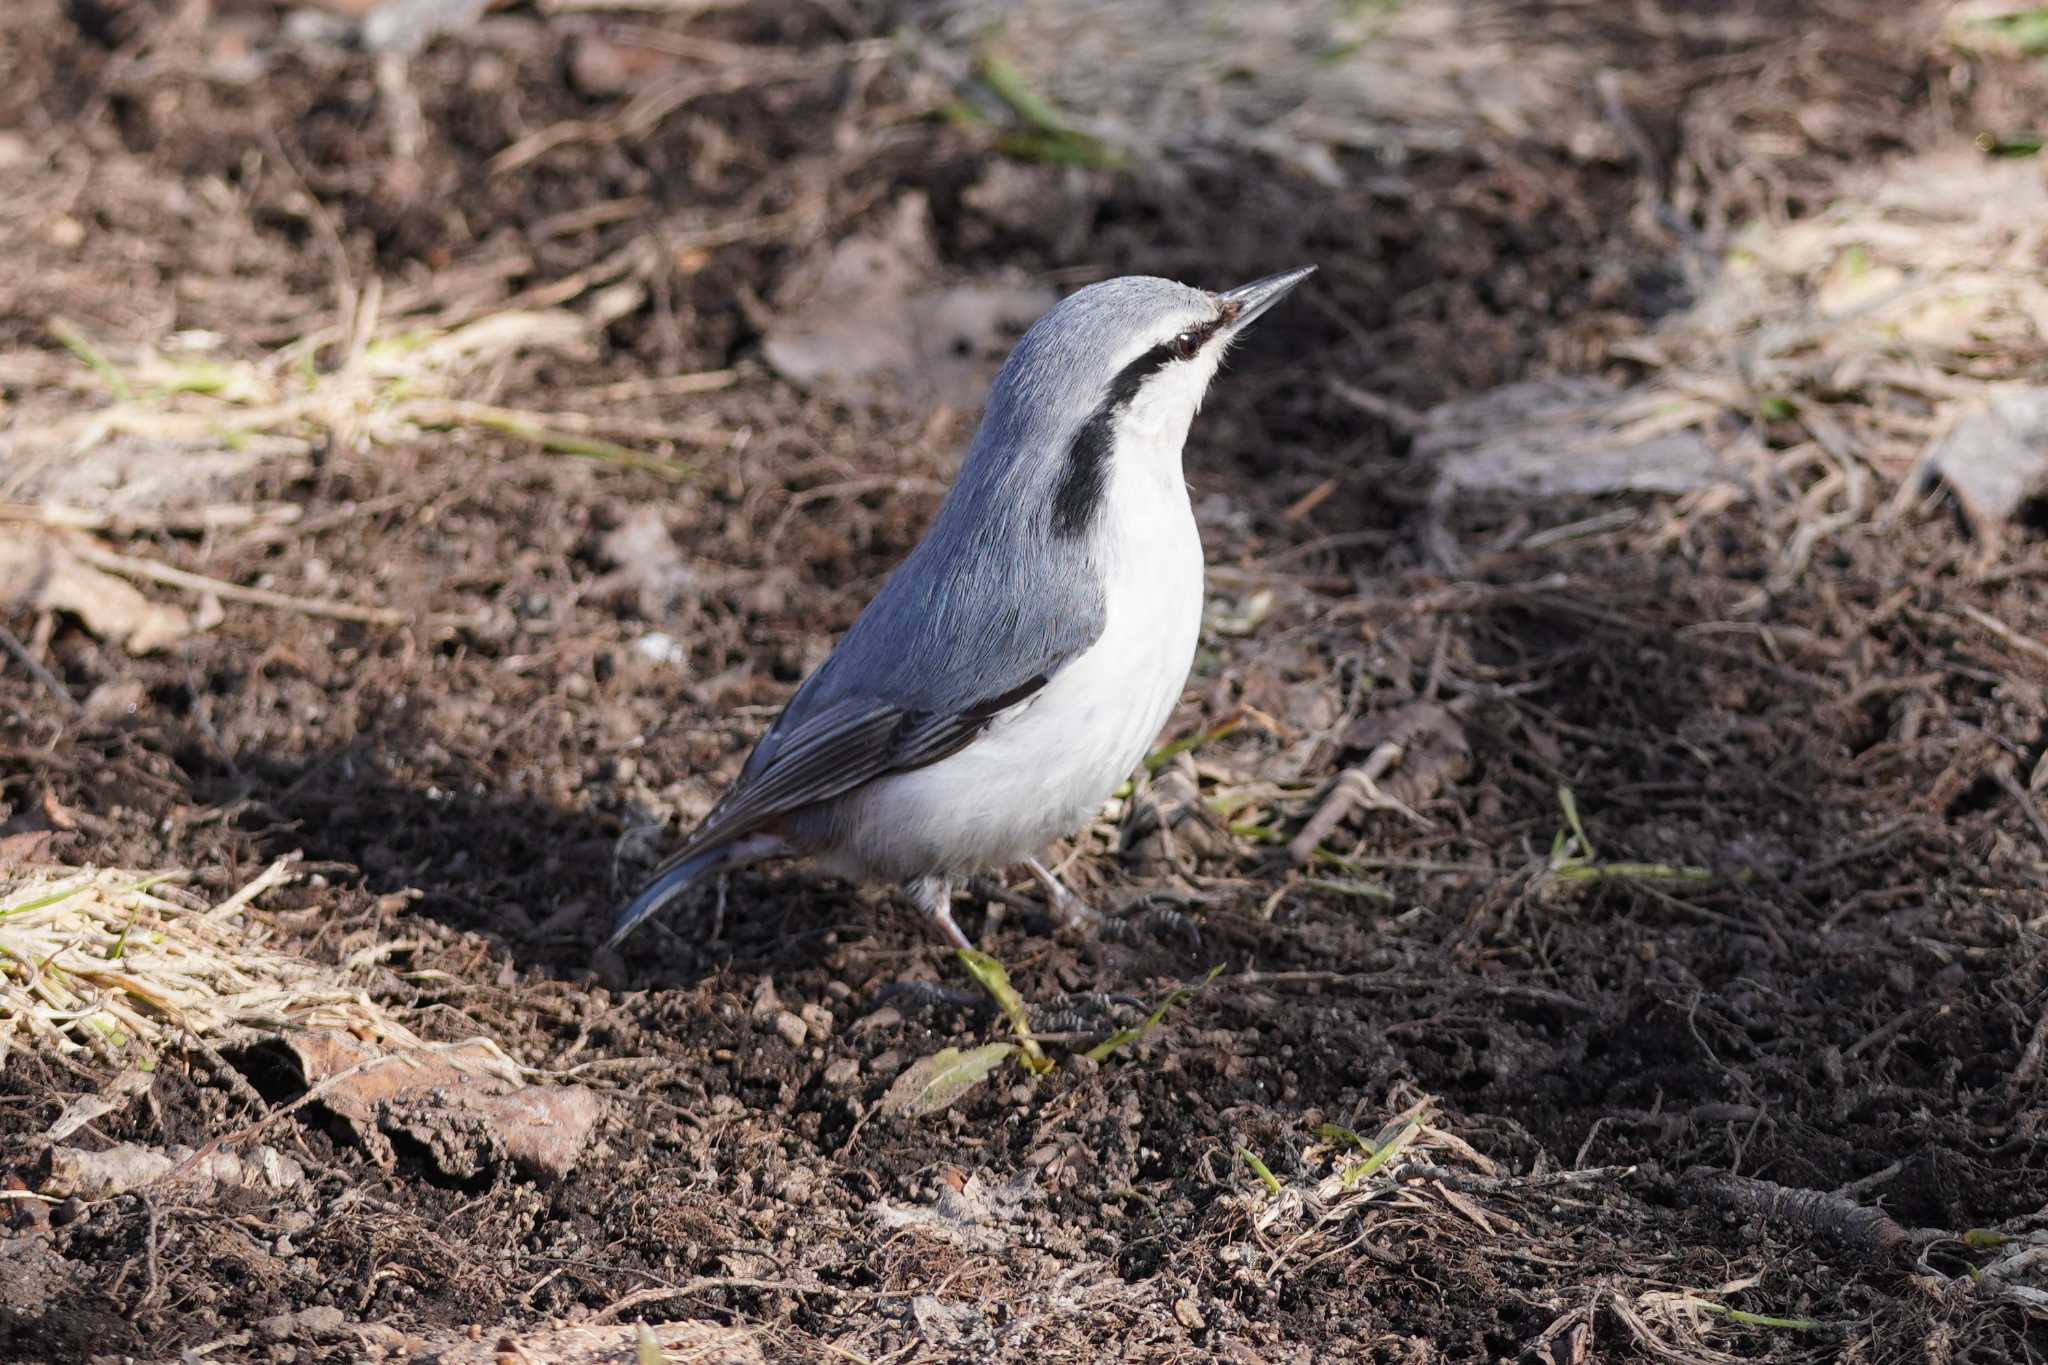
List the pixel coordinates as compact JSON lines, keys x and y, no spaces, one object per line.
{"x":1841,"y":989}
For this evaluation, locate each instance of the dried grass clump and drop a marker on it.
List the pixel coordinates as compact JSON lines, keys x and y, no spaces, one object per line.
{"x":110,"y":963}
{"x":1841,"y":348}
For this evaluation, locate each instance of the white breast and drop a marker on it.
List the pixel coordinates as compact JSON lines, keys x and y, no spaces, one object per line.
{"x":1043,"y":769}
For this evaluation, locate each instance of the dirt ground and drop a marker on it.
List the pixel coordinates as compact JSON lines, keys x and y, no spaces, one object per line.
{"x":1691,"y":964}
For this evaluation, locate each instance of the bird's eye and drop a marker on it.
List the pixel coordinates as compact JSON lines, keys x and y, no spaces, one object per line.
{"x":1185,"y":345}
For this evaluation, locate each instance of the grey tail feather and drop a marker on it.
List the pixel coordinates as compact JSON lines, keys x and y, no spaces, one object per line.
{"x":666,"y":884}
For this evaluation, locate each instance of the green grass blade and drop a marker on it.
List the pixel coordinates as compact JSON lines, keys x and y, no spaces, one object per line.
{"x":1124,"y":1037}
{"x":995,"y":979}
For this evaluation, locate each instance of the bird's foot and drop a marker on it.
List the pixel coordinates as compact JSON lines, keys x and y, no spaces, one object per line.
{"x":1139,"y":918}
{"x":1069,"y":911}
{"x":933,"y":898}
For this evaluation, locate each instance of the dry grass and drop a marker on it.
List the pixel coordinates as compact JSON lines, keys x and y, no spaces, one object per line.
{"x":1830,"y":354}
{"x":117,"y":966}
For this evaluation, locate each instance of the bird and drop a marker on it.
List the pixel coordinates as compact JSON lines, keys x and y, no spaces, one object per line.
{"x":1018,"y":664}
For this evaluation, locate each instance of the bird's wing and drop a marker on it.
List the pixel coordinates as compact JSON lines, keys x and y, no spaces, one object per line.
{"x":840,"y":747}
{"x":980,"y":616}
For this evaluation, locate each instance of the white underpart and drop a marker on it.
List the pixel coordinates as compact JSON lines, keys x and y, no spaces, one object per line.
{"x":1044,"y":768}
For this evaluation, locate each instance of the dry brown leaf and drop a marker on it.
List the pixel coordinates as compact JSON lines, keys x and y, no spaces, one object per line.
{"x":455,"y":1101}
{"x":866,"y":316}
{"x":38,"y":572}
{"x":1994,"y":456}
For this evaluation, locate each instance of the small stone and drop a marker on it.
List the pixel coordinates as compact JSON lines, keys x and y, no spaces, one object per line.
{"x":843,"y":1074}
{"x":322,"y":1321}
{"x":1190,"y":1316}
{"x":113,"y":702}
{"x":819,"y":1019}
{"x":793,"y":1030}
{"x":886,"y":1017}
{"x":766,"y":1001}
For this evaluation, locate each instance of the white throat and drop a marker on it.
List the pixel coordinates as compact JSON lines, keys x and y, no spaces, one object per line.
{"x":1145,"y":466}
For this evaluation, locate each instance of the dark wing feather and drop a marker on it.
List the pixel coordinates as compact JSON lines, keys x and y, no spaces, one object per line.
{"x":837,"y":749}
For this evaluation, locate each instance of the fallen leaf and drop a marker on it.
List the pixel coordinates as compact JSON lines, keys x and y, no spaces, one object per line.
{"x":116,"y":1094}
{"x":1994,"y":457}
{"x":931,"y":1084}
{"x":456,"y":1102}
{"x":113,"y":702}
{"x":38,"y":572}
{"x":867,"y":314}
{"x":1557,"y":438}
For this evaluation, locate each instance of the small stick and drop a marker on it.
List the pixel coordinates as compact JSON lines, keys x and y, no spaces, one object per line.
{"x":706,"y":1282}
{"x":1354,"y":785}
{"x":277,"y":873}
{"x":1841,"y":1221}
{"x":2002,"y":770}
{"x":1399,"y":416}
{"x":2030,"y":1059}
{"x":50,"y":681}
{"x":2007,"y":633}
{"x":213,"y":516}
{"x":150,"y":570}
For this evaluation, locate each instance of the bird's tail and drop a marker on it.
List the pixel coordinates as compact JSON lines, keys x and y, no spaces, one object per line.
{"x":670,"y":881}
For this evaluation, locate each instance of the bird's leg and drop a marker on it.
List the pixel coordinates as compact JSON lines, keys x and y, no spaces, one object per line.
{"x":933,"y":897}
{"x":1069,"y":909}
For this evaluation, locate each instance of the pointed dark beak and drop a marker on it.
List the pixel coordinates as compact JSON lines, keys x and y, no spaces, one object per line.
{"x":1255,"y":298}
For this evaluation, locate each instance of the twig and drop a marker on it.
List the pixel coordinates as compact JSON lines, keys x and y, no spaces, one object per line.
{"x":243,"y":1134}
{"x":50,"y":681}
{"x":2030,"y":1059}
{"x":211,"y":517}
{"x":155,"y":1285}
{"x":1841,"y":1221}
{"x":658,"y":386}
{"x":1354,"y":786}
{"x":1888,"y":1030}
{"x":1399,"y":416}
{"x":153,"y":572}
{"x":276,"y":874}
{"x":1871,"y":1181}
{"x":2007,"y":633}
{"x":2002,"y":771}
{"x":704,"y":1282}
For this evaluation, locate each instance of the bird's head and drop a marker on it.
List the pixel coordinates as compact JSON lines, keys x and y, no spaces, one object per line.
{"x":1115,"y":370}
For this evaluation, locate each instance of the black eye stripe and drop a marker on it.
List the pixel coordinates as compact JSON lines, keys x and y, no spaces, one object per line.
{"x":1086,"y":475}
